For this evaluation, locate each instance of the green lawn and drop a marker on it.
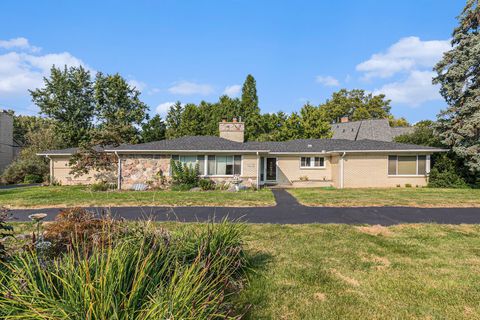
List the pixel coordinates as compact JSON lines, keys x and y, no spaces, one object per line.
{"x":347,"y":272}
{"x":415,"y":197}
{"x":67,"y":196}
{"x":417,"y":271}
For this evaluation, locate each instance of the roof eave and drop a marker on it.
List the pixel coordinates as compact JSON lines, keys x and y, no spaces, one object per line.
{"x":185,"y":151}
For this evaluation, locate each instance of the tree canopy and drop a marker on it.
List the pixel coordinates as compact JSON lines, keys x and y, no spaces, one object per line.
{"x":458,"y":76}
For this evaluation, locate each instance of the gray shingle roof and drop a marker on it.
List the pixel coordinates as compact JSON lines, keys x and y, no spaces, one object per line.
{"x":375,"y":129}
{"x":188,"y":143}
{"x":210,"y":143}
{"x":332,"y":145}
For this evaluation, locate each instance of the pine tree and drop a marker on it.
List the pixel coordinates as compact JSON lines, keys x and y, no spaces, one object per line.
{"x":250,"y":112}
{"x":173,"y":120}
{"x":458,"y":76}
{"x":153,"y":130}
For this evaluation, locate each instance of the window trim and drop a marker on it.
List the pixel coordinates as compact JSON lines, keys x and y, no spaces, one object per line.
{"x":205,"y":166}
{"x":312,"y":163}
{"x":427,"y":165}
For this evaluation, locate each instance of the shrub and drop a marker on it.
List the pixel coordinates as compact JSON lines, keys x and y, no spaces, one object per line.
{"x":207,"y":184}
{"x":103,"y":186}
{"x":33,"y":178}
{"x":408,"y":185}
{"x":5,"y":231}
{"x":444,"y":175}
{"x":18,"y":170}
{"x":184,"y":175}
{"x":78,"y":225}
{"x":143,"y":276}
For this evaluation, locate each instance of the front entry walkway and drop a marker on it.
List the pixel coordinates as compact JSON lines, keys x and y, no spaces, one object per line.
{"x":287,"y":211}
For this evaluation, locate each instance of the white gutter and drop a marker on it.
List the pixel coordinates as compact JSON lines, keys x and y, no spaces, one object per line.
{"x":255,"y":151}
{"x":258,"y":170}
{"x":54,"y":154}
{"x":383,"y":151}
{"x":119,"y":172}
{"x":342,"y":170}
{"x":188,"y":151}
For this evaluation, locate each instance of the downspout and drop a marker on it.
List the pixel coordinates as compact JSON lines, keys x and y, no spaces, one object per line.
{"x":341,"y":169}
{"x":51,"y":169}
{"x":258,"y":170}
{"x":119,"y":172}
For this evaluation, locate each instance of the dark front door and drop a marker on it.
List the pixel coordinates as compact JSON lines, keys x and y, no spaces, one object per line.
{"x":271,"y":169}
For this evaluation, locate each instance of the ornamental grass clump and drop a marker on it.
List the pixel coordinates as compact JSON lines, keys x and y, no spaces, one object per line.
{"x":144,"y":274}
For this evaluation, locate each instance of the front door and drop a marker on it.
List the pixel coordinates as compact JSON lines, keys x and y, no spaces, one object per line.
{"x":271,"y":169}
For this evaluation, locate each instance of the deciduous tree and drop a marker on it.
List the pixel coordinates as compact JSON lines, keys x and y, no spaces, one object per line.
{"x":67,"y":97}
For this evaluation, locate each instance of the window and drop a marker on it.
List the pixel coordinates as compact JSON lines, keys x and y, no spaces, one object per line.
{"x":211,"y":166}
{"x":407,"y":165}
{"x":312,"y":162}
{"x":201,"y":164}
{"x":224,"y":165}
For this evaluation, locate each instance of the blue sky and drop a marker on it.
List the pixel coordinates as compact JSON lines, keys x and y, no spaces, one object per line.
{"x":190,"y":51}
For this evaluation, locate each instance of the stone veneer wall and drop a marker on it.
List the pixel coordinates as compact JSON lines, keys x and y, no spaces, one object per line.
{"x":142,"y":168}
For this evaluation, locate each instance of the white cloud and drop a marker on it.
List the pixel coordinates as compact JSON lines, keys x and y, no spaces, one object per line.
{"x":18,"y":43}
{"x":416,"y":89}
{"x":189,"y":88}
{"x":328,"y":81}
{"x":162,"y":108}
{"x":139,"y":85}
{"x":405,"y":55}
{"x":22,"y":71}
{"x":232,"y":91}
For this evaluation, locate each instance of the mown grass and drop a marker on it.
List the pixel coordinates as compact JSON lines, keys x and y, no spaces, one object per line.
{"x":347,"y":272}
{"x":412,"y":197}
{"x":67,"y":196}
{"x":414,"y":271}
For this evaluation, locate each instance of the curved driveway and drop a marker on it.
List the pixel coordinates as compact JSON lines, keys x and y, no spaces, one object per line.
{"x":287,"y":211}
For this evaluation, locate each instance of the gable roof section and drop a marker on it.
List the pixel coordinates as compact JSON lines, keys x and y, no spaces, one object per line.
{"x":375,"y":129}
{"x":337,"y":145}
{"x":189,"y":143}
{"x":216,"y":144}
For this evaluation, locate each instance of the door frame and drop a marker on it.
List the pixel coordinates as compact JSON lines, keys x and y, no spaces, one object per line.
{"x":265,"y":180}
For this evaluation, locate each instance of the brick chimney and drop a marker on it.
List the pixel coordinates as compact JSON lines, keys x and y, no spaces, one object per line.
{"x":232,"y":130}
{"x":344,"y":119}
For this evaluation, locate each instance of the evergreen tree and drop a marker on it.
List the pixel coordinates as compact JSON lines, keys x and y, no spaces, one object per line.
{"x":250,"y":112}
{"x":291,"y":129}
{"x":173,"y":120}
{"x":315,"y":124}
{"x":67,"y":97}
{"x":458,"y":75}
{"x":153,"y":129}
{"x":191,"y":121}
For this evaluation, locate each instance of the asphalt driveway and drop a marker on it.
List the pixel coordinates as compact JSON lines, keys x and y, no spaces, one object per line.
{"x":287,"y":211}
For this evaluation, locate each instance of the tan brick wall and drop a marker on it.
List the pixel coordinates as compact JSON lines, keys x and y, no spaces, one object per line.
{"x":335,"y":169}
{"x":61,"y":173}
{"x":289,"y":171}
{"x":232,"y":131}
{"x":370,"y":170}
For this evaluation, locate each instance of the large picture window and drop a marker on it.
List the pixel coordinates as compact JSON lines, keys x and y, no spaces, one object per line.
{"x":213,"y":165}
{"x":407,"y":165}
{"x":312,"y":162}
